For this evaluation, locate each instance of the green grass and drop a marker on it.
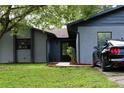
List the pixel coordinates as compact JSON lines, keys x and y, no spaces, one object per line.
{"x":42,"y":76}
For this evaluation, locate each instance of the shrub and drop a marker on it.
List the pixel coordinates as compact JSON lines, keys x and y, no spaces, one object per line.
{"x":72,"y":55}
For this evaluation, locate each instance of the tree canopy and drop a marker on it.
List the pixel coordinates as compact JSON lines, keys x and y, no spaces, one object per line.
{"x":57,"y":16}
{"x":19,"y":18}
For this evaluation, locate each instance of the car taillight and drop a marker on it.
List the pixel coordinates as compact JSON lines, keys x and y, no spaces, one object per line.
{"x":115,"y":51}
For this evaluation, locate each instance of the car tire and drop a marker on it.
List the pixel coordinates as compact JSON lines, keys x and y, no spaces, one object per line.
{"x":104,"y":63}
{"x":94,"y":60}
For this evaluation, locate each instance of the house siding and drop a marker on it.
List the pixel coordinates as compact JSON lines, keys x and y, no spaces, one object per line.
{"x":115,"y":18}
{"x":25,"y":35}
{"x":6,"y":48}
{"x":40,"y":46}
{"x":88,"y":39}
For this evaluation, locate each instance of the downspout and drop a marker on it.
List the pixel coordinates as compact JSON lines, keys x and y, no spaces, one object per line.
{"x":78,"y":47}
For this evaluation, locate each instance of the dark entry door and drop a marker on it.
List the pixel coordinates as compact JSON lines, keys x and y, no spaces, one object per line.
{"x":23,"y":50}
{"x":64,"y":46}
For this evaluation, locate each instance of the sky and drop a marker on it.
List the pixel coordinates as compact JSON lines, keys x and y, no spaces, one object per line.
{"x":62,"y":2}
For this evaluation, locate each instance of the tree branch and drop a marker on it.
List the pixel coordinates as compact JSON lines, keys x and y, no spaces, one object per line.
{"x":9,"y":24}
{"x":21,"y":17}
{"x":7,"y":12}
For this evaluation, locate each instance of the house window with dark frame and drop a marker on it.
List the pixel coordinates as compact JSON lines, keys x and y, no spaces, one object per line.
{"x":102,"y":37}
{"x":23,"y":43}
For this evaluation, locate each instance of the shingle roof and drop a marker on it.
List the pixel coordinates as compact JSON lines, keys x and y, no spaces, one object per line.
{"x":60,"y":33}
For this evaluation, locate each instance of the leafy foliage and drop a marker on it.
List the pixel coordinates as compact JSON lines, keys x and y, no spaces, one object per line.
{"x":15,"y":18}
{"x":72,"y":54}
{"x":57,"y":16}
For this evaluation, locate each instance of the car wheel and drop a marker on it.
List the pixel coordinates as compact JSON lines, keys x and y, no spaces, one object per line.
{"x":104,"y":63}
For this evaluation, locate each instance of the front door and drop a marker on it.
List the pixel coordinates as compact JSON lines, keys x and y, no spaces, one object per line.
{"x":23,"y":50}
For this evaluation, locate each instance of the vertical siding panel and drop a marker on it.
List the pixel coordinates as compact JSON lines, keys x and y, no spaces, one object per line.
{"x":40,"y":47}
{"x":6,"y":48}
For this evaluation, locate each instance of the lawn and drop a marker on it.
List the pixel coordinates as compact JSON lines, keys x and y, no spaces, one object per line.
{"x":42,"y":76}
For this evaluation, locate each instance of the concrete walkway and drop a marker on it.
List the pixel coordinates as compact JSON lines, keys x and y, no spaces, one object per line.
{"x":65,"y":64}
{"x":116,"y":75}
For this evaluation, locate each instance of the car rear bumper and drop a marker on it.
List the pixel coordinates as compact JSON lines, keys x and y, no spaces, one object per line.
{"x":117,"y":60}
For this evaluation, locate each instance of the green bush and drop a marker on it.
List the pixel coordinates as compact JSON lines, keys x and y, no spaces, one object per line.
{"x":72,"y":54}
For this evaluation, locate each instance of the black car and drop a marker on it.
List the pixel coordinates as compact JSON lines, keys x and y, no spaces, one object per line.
{"x":110,"y":55}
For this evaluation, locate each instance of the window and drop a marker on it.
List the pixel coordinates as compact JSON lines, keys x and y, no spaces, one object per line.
{"x":23,"y":43}
{"x":102,"y":37}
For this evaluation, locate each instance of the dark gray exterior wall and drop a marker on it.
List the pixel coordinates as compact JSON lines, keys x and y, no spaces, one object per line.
{"x":54,"y":50}
{"x":6,"y":48}
{"x":40,"y":47}
{"x":8,"y":54}
{"x":38,"y":50}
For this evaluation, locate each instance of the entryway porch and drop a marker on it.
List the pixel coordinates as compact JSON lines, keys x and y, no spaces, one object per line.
{"x":67,"y":64}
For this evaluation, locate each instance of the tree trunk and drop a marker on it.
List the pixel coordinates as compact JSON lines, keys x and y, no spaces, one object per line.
{"x":73,"y":61}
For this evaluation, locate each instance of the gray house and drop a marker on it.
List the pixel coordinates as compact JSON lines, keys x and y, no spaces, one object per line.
{"x":95,"y":30}
{"x":34,"y":46}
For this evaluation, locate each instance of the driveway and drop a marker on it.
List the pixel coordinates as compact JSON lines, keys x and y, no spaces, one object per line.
{"x":116,"y":75}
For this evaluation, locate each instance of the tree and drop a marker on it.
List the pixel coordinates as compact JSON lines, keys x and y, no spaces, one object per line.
{"x":57,"y":16}
{"x":12,"y":17}
{"x":16,"y":18}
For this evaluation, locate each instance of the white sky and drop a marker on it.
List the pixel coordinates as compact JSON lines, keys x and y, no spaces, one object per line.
{"x":62,"y":2}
